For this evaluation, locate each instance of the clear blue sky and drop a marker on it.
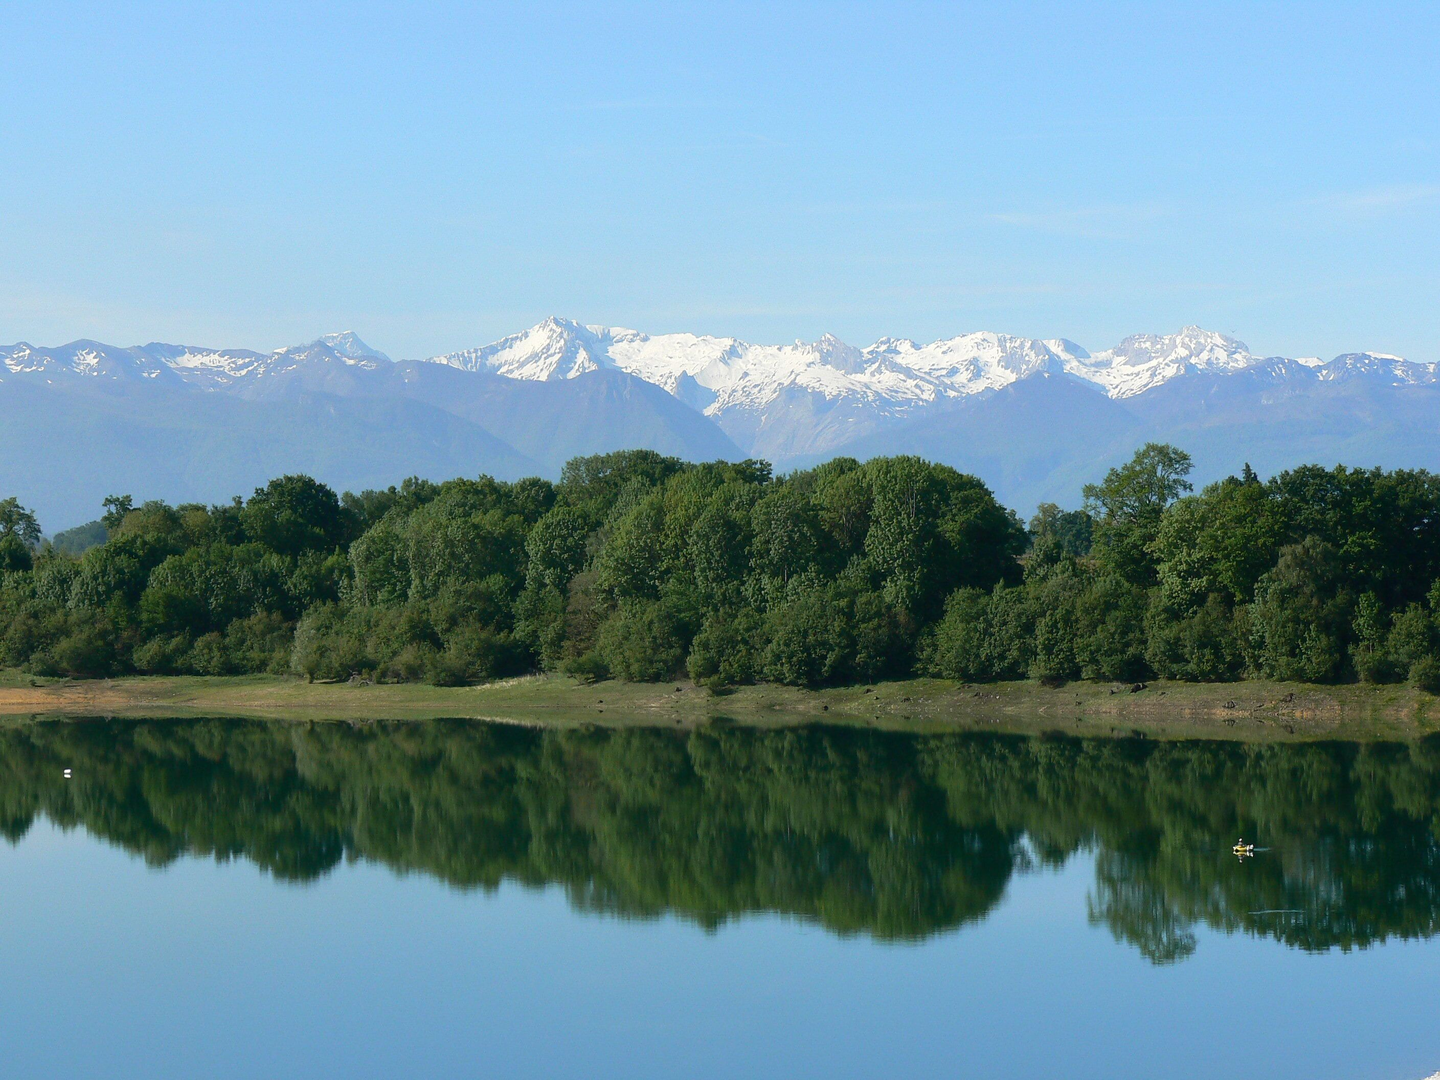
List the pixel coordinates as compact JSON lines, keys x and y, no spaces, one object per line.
{"x":436,"y":176}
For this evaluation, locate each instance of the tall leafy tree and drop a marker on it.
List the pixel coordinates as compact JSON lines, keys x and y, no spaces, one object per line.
{"x":293,"y":515}
{"x":1128,"y":504}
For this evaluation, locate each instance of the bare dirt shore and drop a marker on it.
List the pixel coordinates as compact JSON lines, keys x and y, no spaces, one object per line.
{"x":1254,"y":711}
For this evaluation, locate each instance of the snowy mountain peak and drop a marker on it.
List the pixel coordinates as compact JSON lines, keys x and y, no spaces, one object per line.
{"x":1393,"y":369}
{"x":1143,"y":361}
{"x":729,"y":379}
{"x":348,"y":344}
{"x":834,"y":352}
{"x":554,"y":349}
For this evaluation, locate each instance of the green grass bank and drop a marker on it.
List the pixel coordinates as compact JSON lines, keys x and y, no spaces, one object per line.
{"x":1254,"y":711}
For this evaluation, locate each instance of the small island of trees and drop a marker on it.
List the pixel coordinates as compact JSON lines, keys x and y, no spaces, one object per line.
{"x":642,"y":567}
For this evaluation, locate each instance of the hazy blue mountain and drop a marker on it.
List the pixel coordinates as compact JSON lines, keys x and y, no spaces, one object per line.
{"x":88,"y":420}
{"x":1036,"y":419}
{"x":1042,"y":439}
{"x":549,"y":422}
{"x":1036,"y":440}
{"x":62,"y":450}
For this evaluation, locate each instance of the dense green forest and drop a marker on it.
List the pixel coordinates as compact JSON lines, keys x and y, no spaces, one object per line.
{"x":643,"y":567}
{"x":893,"y":835}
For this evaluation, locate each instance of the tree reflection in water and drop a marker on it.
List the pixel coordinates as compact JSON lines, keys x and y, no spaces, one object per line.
{"x":895,"y":836}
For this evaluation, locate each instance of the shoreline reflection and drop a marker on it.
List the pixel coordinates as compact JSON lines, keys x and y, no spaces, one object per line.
{"x":895,"y":836}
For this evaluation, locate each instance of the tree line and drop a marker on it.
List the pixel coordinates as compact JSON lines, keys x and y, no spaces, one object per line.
{"x":892,"y":835}
{"x":643,"y":567}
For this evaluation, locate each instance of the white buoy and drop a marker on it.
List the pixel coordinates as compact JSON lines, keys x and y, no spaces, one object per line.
{"x":67,"y":774}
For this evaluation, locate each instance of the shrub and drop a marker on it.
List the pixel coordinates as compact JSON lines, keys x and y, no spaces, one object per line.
{"x":260,"y":644}
{"x":1412,"y":639}
{"x":1425,"y":674}
{"x":1299,"y":615}
{"x":88,"y":651}
{"x":726,"y":651}
{"x":810,"y":640}
{"x":983,"y":636}
{"x":162,"y":655}
{"x":1202,"y":647}
{"x":329,"y":645}
{"x":641,"y":643}
{"x":589,"y":667}
{"x":208,"y":656}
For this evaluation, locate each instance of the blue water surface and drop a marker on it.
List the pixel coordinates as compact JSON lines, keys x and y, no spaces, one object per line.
{"x":196,"y":966}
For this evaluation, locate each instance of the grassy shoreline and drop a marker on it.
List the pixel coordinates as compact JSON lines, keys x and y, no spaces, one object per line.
{"x":1252,"y":711}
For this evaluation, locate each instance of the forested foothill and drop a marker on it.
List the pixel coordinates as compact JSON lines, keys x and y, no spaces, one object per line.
{"x":642,"y":567}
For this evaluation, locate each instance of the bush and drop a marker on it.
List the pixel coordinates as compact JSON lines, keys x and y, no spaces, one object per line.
{"x":1299,"y":615}
{"x":1203,"y":647}
{"x":983,"y":636}
{"x":411,"y":664}
{"x":726,"y":651}
{"x":641,"y":643}
{"x":810,"y":641}
{"x":14,"y":555}
{"x":473,"y":653}
{"x":1425,"y":674}
{"x":260,"y":644}
{"x":1112,"y":642}
{"x":589,"y":667}
{"x":162,"y":655}
{"x":88,"y":652}
{"x":208,"y":656}
{"x":329,"y":645}
{"x":1375,"y":666}
{"x":1412,"y":639}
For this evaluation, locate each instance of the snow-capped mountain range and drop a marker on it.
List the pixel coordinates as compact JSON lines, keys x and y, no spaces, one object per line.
{"x":721,"y":374}
{"x":210,"y":368}
{"x":1035,"y":418}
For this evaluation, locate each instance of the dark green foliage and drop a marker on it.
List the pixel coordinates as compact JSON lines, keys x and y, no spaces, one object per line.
{"x":19,"y":536}
{"x":1298,"y":624}
{"x":810,"y":639}
{"x":1128,"y":505}
{"x":1425,"y":674}
{"x":1201,"y":646}
{"x":330,"y":643}
{"x":642,"y":642}
{"x":367,"y":508}
{"x":589,"y":667}
{"x":640,"y":566}
{"x":293,"y":515}
{"x":17,"y":522}
{"x":14,"y":554}
{"x":1056,"y":533}
{"x":1412,"y":640}
{"x":593,"y":484}
{"x":983,"y":636}
{"x":728,"y":649}
{"x":1112,"y":632}
{"x":117,"y":508}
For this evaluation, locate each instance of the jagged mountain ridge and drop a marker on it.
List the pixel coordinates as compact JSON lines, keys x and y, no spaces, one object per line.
{"x":727,"y":373}
{"x":86,"y":420}
{"x":1033,"y":417}
{"x":897,"y":369}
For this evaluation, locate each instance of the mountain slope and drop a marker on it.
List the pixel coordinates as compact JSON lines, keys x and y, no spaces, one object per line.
{"x":84,"y":421}
{"x":551,"y":422}
{"x":1036,"y":418}
{"x":1042,"y":439}
{"x":62,"y":450}
{"x":1037,"y":440}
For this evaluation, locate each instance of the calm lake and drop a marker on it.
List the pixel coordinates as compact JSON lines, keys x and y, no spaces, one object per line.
{"x":245,"y":899}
